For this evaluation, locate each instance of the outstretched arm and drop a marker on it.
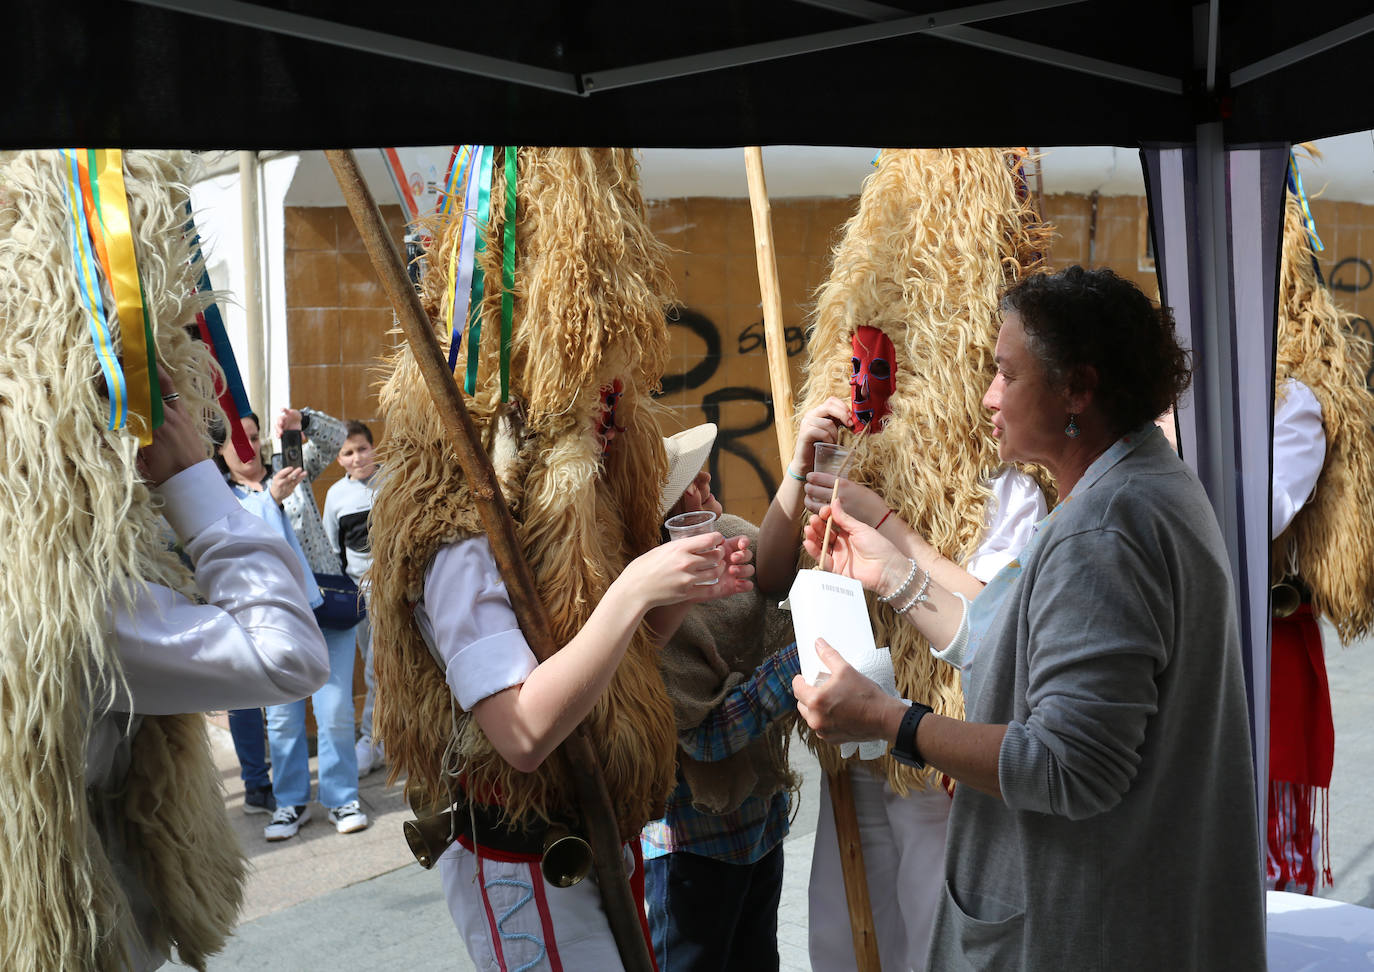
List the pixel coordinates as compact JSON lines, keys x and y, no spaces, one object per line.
{"x":778,"y":546}
{"x":526,"y":708}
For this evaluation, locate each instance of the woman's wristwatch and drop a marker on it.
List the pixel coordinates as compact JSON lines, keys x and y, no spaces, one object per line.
{"x":904,"y":748}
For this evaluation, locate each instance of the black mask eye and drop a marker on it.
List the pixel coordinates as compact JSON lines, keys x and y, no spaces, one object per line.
{"x":857,"y":365}
{"x":880,"y":369}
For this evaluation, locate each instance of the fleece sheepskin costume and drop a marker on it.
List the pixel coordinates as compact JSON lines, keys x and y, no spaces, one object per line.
{"x":1331,"y":540}
{"x":1328,"y":548}
{"x":82,"y":535}
{"x":938,"y":236}
{"x":591,"y":284}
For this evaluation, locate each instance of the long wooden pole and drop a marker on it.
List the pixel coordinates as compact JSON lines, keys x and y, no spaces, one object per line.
{"x":622,"y":911}
{"x":774,"y":332}
{"x":780,"y":376}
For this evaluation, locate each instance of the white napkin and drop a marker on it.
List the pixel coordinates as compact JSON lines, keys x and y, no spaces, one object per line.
{"x":876,"y":663}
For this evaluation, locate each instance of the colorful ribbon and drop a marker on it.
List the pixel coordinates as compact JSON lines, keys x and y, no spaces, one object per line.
{"x":121,"y":266}
{"x":508,"y":271}
{"x":102,"y":249}
{"x":232,"y":396}
{"x":460,"y":262}
{"x":470,"y":177}
{"x":92,"y":299}
{"x":1295,"y":187}
{"x":478,"y":274}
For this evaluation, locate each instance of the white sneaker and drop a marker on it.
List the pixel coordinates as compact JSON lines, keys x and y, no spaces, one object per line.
{"x":286,"y":821}
{"x":369,"y":754}
{"x":348,"y":818}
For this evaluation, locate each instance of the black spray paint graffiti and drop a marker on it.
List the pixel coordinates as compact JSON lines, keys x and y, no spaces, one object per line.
{"x":1351,"y":275}
{"x":751,"y":339}
{"x":731,"y":439}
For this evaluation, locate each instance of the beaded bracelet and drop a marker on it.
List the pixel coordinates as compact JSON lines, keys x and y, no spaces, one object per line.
{"x":920,"y":596}
{"x":904,"y":584}
{"x":800,"y":479}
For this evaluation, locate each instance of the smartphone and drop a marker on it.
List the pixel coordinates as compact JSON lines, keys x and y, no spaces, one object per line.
{"x":291,"y":454}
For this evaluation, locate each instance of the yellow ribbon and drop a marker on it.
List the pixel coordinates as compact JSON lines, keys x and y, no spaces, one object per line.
{"x":128,"y":293}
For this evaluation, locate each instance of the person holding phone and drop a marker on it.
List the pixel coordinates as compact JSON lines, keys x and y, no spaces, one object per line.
{"x":286,"y":497}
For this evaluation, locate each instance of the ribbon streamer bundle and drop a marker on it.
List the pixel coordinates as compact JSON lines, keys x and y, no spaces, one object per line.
{"x":470,"y":180}
{"x":1295,"y":187}
{"x":232,"y":397}
{"x":102,"y":246}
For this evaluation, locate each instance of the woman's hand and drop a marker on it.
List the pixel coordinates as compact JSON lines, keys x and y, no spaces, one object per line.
{"x":821,"y":424}
{"x":856,"y":550}
{"x":859,"y":501}
{"x":847,"y":706}
{"x":284,"y":482}
{"x":670,"y":573}
{"x":738,"y":569}
{"x":287,"y":418}
{"x":176,"y":444}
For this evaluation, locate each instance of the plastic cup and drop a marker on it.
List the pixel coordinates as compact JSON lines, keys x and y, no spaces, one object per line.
{"x":829,"y":458}
{"x":695,"y":524}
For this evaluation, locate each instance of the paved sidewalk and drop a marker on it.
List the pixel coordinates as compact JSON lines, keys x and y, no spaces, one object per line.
{"x":358,"y":901}
{"x":322,"y":900}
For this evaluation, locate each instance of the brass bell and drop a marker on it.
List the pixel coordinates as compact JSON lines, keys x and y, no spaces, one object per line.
{"x":1284,"y":599}
{"x":429,"y":837}
{"x":567,"y":858}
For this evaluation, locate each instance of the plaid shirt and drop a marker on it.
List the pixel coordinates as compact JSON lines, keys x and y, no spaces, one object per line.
{"x":757,"y":825}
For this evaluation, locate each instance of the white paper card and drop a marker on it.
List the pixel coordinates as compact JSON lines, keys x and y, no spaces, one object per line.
{"x":826,"y":605}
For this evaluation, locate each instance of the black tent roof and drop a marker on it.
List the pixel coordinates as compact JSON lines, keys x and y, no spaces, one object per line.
{"x":322,"y":73}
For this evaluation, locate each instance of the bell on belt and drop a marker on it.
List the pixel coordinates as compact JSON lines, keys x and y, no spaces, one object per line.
{"x":567,"y":857}
{"x":429,"y":837}
{"x":1284,"y":599}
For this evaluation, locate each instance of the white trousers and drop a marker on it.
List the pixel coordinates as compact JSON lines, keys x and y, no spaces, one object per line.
{"x":904,"y":856}
{"x":512,"y":921}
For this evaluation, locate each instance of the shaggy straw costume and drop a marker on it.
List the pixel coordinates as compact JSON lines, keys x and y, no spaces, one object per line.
{"x":1331,"y":540}
{"x":938,"y":236}
{"x":590,"y":287}
{"x":1329,"y":548}
{"x":82,"y":536}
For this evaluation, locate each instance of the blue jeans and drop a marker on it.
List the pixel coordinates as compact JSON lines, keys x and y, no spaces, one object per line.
{"x":709,"y":916}
{"x":365,"y":648}
{"x":334,"y":722}
{"x":245,"y":727}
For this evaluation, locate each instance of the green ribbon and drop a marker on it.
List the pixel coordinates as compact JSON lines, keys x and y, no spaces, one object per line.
{"x":508,"y":272}
{"x":478,"y":276}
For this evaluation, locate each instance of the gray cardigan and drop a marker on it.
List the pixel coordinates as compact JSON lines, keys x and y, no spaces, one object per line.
{"x":1127,"y":835}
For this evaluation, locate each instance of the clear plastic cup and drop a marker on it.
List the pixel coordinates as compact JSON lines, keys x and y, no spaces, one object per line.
{"x":695,"y":524}
{"x":829,"y":458}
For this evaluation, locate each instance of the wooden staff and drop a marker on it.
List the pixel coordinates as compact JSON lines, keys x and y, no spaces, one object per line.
{"x":780,"y":375}
{"x":775,"y":338}
{"x":582,"y":766}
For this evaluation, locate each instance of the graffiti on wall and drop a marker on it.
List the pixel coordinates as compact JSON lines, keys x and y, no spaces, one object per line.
{"x":740,"y":439}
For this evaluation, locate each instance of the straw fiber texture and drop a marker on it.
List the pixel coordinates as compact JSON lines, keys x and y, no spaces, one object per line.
{"x":591,"y":285}
{"x":83,"y":535}
{"x":1330,"y":543}
{"x":938,"y":236}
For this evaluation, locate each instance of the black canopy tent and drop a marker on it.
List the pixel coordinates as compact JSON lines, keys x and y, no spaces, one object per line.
{"x":1213,"y":93}
{"x":321,"y":73}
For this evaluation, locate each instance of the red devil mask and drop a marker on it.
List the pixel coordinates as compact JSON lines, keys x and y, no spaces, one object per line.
{"x":874,"y":378}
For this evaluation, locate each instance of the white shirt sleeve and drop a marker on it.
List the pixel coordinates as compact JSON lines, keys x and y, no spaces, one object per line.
{"x":1014,"y":508}
{"x":256,"y":641}
{"x":1299,"y":451}
{"x":466,"y":616}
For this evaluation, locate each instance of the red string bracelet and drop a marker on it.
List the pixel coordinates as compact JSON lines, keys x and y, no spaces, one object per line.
{"x":883,"y":520}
